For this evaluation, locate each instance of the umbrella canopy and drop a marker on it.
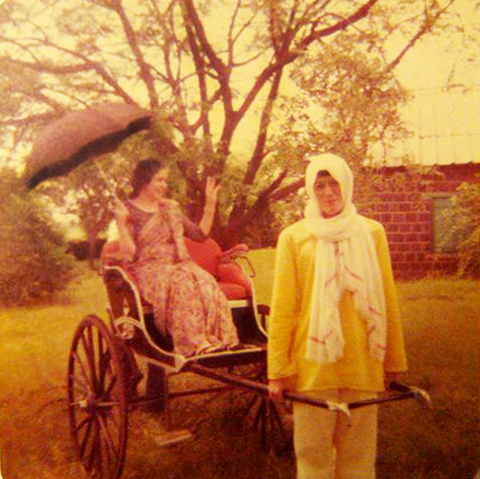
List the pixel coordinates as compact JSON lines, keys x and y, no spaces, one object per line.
{"x":77,"y":136}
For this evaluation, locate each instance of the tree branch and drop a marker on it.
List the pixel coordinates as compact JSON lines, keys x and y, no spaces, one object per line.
{"x":27,"y":121}
{"x":214,"y":98}
{"x":287,"y":190}
{"x":261,"y":203}
{"x":290,"y":56}
{"x":223,"y":77}
{"x":202,"y":82}
{"x":265,"y":120}
{"x":428,"y":23}
{"x":231,"y":40}
{"x":362,"y":12}
{"x":195,"y":21}
{"x":144,"y":67}
{"x":46,"y":67}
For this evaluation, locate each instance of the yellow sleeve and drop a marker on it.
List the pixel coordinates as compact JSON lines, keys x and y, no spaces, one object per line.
{"x":284,"y":311}
{"x":395,"y":356}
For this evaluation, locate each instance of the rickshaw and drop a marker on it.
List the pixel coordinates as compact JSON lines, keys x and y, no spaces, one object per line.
{"x":102,"y":371}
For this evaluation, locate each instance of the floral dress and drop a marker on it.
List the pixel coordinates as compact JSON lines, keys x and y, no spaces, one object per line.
{"x":187,"y":302}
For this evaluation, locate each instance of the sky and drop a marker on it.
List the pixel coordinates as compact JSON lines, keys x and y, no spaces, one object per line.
{"x":445,"y":122}
{"x":425,"y":71}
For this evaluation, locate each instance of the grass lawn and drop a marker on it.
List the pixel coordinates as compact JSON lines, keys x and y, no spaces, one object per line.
{"x":441,"y":324}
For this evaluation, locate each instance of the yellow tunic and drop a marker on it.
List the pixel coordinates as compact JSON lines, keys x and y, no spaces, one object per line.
{"x":290,"y":316}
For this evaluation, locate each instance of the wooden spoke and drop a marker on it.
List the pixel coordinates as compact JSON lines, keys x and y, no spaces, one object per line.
{"x":90,"y":352}
{"x":103,"y":361}
{"x":105,"y":435}
{"x":86,"y":437}
{"x":93,"y":450}
{"x":110,"y":387}
{"x":82,"y":423}
{"x":79,"y":386}
{"x":98,"y":448}
{"x":83,"y":370}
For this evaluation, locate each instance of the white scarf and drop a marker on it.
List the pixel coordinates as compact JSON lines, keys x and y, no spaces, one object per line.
{"x":345,"y":259}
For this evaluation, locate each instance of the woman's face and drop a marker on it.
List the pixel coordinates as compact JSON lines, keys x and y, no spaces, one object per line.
{"x":329,"y":196}
{"x":157,"y":188}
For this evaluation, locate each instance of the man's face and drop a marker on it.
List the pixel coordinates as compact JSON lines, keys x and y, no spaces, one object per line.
{"x":329,"y":196}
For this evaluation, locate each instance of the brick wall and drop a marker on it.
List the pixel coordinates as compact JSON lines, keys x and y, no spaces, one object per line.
{"x":405,"y":210}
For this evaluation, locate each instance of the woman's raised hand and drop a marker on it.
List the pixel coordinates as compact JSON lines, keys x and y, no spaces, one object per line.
{"x":211,"y":196}
{"x":211,"y":191}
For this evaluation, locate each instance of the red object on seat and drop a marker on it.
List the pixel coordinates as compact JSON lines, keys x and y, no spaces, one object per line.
{"x":205,"y":254}
{"x":233,"y":291}
{"x":230,"y":276}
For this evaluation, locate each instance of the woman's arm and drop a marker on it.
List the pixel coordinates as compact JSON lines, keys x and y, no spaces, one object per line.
{"x":211,"y":196}
{"x":127,"y":244}
{"x":193,"y":231}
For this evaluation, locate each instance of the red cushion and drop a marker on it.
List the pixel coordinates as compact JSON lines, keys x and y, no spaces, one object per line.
{"x":233,"y":291}
{"x":205,"y":254}
{"x":233,"y":273}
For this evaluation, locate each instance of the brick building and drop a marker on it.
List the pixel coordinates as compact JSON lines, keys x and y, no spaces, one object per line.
{"x":445,"y":147}
{"x":414,"y":218}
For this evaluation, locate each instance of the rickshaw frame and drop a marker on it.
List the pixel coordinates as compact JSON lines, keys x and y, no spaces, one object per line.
{"x":102,"y":375}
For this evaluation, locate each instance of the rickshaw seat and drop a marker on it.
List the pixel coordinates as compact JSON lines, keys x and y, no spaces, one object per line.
{"x":230,"y":277}
{"x":208,"y":255}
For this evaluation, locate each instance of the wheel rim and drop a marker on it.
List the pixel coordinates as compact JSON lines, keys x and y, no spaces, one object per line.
{"x":97,"y":400}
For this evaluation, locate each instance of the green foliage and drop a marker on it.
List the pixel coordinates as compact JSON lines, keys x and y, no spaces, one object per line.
{"x":32,"y":262}
{"x":467,"y":213}
{"x":354,"y":99}
{"x":441,"y":330}
{"x":264,"y":231}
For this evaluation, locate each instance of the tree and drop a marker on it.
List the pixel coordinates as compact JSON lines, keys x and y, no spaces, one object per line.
{"x":465,"y":223}
{"x":205,"y":68}
{"x":91,"y":202}
{"x":33,"y":264}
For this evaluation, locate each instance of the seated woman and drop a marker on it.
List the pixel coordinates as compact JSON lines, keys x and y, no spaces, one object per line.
{"x":187,"y":301}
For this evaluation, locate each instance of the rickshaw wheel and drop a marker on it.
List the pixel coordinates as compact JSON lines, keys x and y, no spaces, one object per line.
{"x":97,"y":401}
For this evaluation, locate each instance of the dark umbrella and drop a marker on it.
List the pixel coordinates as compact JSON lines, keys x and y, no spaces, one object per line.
{"x":77,"y":136}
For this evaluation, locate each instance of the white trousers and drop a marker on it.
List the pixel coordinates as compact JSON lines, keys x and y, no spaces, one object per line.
{"x":329,"y":445}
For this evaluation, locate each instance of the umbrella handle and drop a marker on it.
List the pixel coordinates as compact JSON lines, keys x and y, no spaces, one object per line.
{"x":107,"y":180}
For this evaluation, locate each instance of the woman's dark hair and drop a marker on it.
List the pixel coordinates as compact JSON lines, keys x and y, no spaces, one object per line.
{"x":143,"y":174}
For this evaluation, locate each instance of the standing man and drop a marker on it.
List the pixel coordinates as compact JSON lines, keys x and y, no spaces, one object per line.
{"x":334,"y":330}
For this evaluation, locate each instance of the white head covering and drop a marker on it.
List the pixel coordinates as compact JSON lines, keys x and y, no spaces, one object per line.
{"x":345,"y":259}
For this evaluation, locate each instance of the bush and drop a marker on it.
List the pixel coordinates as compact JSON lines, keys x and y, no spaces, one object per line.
{"x":467,"y":205}
{"x":32,"y":262}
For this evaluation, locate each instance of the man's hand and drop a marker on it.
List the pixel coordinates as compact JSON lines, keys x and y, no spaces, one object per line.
{"x":276,"y":387}
{"x":392,"y":377}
